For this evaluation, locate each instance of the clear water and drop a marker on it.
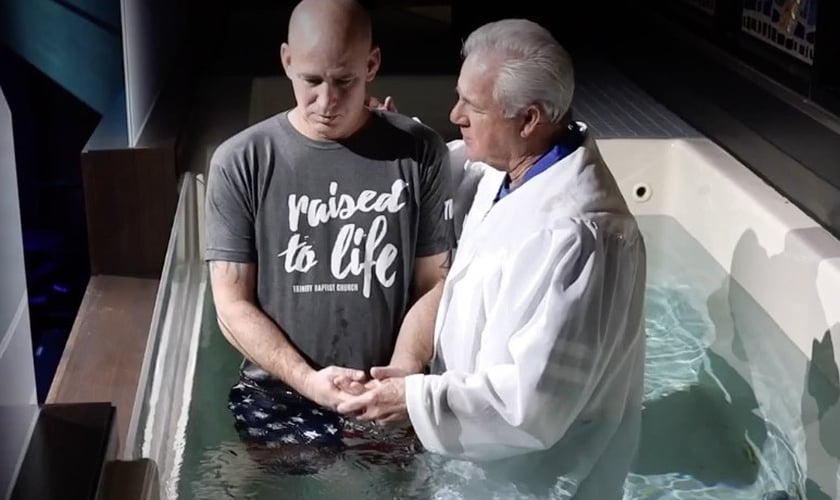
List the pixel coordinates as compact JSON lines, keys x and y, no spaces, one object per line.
{"x":705,"y":435}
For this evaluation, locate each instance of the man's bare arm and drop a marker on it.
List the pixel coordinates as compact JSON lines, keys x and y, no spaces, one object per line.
{"x":428,"y":272}
{"x":415,"y":342}
{"x":248,"y":328}
{"x":259,"y":339}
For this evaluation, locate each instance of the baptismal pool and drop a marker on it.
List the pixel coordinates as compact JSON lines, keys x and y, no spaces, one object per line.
{"x":703,"y":435}
{"x":734,"y":409}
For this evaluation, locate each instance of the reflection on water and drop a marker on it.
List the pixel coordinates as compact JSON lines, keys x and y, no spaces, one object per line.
{"x":704,"y":434}
{"x":678,"y":336}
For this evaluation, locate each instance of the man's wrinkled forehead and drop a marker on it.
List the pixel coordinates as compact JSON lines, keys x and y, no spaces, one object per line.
{"x":475,"y":82}
{"x":327,"y":55}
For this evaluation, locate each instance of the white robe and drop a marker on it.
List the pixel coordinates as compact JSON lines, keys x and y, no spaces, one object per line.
{"x":539,"y":339}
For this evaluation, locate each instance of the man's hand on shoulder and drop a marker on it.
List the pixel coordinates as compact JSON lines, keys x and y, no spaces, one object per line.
{"x":373,"y":103}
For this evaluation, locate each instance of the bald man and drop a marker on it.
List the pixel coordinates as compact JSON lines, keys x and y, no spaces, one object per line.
{"x":324,"y":224}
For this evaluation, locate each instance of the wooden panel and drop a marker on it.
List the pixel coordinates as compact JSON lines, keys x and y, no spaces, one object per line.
{"x":103,"y":355}
{"x":130,"y":201}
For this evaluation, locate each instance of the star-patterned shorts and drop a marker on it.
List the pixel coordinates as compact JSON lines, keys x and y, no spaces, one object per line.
{"x":288,"y":434}
{"x":273,"y":415}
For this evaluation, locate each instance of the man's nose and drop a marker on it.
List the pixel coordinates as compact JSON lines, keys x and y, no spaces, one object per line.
{"x":328,"y":95}
{"x":456,"y":116}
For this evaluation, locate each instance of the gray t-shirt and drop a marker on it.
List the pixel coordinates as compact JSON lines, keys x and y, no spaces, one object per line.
{"x":334,"y":228}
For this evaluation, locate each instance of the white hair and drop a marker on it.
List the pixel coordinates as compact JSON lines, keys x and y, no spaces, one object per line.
{"x":535,"y":68}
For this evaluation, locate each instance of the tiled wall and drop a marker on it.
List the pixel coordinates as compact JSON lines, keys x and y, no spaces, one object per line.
{"x":614,"y":107}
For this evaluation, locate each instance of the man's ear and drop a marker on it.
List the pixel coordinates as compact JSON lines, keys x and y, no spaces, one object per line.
{"x":286,"y":59}
{"x":374,"y":59}
{"x":530,"y":119}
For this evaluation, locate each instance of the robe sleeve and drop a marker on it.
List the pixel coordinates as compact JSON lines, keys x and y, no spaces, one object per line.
{"x":544,"y":347}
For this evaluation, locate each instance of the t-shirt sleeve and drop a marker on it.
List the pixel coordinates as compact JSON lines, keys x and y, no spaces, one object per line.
{"x":229,"y":210}
{"x":436,"y":233}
